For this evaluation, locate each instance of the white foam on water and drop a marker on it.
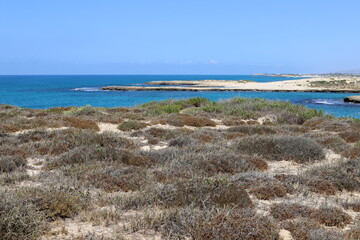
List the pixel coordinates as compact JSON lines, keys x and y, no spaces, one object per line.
{"x":87,"y":89}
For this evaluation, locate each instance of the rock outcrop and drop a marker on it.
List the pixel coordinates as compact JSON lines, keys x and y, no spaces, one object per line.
{"x":353,"y":99}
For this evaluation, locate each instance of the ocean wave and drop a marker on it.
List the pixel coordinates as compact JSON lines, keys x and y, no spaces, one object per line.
{"x":327,"y":101}
{"x":87,"y":89}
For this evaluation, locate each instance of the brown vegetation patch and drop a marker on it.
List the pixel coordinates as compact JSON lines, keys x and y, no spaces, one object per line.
{"x":55,"y":203}
{"x":352,"y":153}
{"x":308,"y":229}
{"x":350,"y":136}
{"x":355,"y":206}
{"x":325,"y":215}
{"x":81,"y":123}
{"x":321,"y":186}
{"x":9,"y":128}
{"x":236,"y":226}
{"x":269,"y":191}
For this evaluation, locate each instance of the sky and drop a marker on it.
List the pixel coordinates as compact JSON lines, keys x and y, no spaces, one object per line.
{"x":179,"y":36}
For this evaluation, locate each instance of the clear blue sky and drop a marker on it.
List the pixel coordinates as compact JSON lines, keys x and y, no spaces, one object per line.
{"x":178,"y":36}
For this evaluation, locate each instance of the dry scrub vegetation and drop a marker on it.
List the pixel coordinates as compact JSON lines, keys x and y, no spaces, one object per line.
{"x":189,"y":169}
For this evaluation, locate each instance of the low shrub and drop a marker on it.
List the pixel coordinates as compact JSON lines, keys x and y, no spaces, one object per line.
{"x":68,"y":139}
{"x":269,"y":191}
{"x":9,"y":128}
{"x":352,"y":153}
{"x":351,"y":136}
{"x":284,"y":211}
{"x":342,"y":175}
{"x":19,"y":219}
{"x":81,"y":123}
{"x":308,"y":229}
{"x":54,"y":203}
{"x":35,"y":136}
{"x":205,"y":160}
{"x":332,"y":217}
{"x":313,"y":123}
{"x":59,"y":110}
{"x":11,"y":163}
{"x":131,"y":125}
{"x":275,"y":147}
{"x":353,"y":205}
{"x":330,"y":141}
{"x":247,"y":108}
{"x":81,"y":155}
{"x":324,"y":215}
{"x":173,"y":106}
{"x":253,"y":129}
{"x":321,"y":186}
{"x":13,"y":149}
{"x":245,"y":226}
{"x":233,"y":121}
{"x":180,"y":120}
{"x":195,"y":192}
{"x":181,"y":142}
{"x":353,"y":233}
{"x":116,"y":179}
{"x":82,"y":111}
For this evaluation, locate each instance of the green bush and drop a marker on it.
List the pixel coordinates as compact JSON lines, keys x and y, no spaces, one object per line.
{"x":173,"y":106}
{"x":82,"y":111}
{"x":131,"y":125}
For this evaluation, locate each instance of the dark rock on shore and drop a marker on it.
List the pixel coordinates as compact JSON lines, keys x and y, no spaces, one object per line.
{"x":353,"y":99}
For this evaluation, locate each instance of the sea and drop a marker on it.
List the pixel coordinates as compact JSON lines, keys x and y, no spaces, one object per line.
{"x":41,"y":92}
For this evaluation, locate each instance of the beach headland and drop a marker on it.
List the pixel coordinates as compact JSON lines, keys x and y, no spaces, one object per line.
{"x":309,"y":83}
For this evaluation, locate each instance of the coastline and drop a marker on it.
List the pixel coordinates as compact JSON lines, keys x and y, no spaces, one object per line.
{"x":313,"y":83}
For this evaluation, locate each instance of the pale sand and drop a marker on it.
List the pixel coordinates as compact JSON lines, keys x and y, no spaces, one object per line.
{"x":285,"y":235}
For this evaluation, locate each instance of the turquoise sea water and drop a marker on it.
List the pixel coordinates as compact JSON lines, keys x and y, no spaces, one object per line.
{"x":50,"y":91}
